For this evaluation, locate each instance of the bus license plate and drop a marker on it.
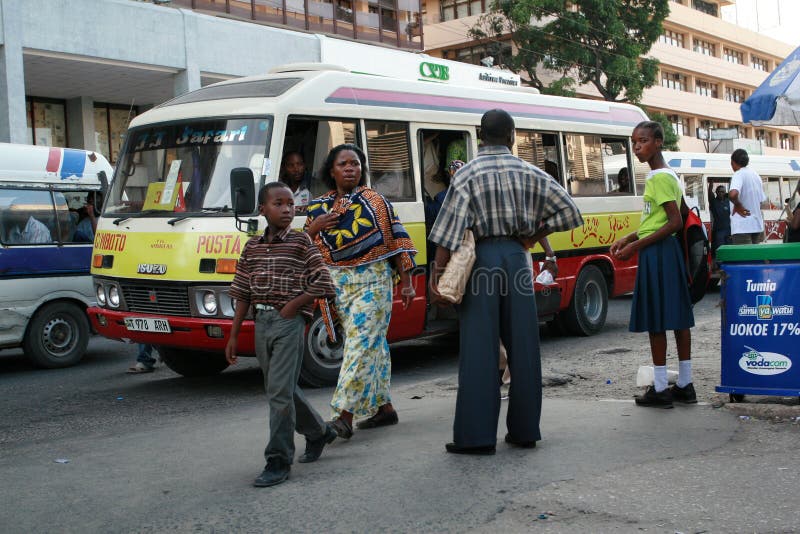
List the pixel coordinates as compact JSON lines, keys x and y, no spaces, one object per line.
{"x":146,"y":324}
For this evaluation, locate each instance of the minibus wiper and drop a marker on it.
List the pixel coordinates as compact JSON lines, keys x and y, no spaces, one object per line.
{"x":204,"y":213}
{"x":135,"y":216}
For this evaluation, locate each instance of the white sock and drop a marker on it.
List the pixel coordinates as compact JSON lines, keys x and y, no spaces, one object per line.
{"x":684,"y":373}
{"x":660,"y":377}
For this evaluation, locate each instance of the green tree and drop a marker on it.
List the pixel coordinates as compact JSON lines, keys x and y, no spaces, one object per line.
{"x":597,"y":42}
{"x":670,"y":137}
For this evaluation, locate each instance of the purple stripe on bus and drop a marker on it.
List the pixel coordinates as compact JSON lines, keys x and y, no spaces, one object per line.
{"x":371,"y":97}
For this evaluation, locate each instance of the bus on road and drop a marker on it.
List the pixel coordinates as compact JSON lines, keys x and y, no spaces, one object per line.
{"x":46,"y":236}
{"x":169,"y":238}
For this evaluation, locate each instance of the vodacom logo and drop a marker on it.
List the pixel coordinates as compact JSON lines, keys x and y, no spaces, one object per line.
{"x":432,"y":70}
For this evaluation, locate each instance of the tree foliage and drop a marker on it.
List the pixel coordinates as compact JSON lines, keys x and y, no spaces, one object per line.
{"x":670,"y":137}
{"x":598,"y":42}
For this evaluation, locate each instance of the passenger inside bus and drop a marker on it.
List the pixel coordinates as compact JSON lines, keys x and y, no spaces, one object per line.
{"x":294,"y":174}
{"x":21,"y":228}
{"x":87,"y":220}
{"x":623,"y":181}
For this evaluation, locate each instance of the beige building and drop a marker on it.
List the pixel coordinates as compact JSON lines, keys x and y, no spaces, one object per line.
{"x":708,"y":68}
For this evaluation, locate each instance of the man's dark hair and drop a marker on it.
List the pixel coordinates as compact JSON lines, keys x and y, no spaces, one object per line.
{"x":740,"y":157}
{"x":655,"y":128}
{"x":325,"y":171}
{"x":497,"y":127}
{"x":263,"y":193}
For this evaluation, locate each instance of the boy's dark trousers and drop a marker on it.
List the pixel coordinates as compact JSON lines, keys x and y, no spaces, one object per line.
{"x":279,"y":350}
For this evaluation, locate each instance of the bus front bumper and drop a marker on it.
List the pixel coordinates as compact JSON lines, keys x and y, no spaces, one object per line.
{"x":209,"y":335}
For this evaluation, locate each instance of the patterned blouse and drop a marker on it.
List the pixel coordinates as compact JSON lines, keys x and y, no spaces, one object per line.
{"x":368,"y":230}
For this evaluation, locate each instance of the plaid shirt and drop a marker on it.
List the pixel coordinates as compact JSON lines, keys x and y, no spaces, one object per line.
{"x":276,"y":272}
{"x":498,"y":194}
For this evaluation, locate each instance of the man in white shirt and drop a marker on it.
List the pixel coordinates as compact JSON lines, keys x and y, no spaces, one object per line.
{"x":746,"y":195}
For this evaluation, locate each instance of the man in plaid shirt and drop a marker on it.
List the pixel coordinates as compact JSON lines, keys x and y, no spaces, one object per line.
{"x":509,"y":205}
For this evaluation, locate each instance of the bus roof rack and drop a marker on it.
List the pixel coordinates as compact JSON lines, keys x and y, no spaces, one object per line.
{"x":298,"y":67}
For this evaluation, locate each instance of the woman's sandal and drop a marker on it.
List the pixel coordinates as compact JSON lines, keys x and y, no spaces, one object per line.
{"x":343,"y":429}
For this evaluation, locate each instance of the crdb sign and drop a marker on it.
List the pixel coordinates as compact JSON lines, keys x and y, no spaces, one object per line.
{"x":434,"y":71}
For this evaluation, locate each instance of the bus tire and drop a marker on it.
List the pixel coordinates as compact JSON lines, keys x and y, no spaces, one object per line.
{"x":322,"y":358}
{"x":57,"y":335}
{"x":191,"y":363}
{"x":588,"y":307}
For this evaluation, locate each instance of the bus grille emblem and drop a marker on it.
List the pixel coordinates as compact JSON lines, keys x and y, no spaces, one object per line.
{"x":152,"y":295}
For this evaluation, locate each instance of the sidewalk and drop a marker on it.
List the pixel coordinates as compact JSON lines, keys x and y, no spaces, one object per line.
{"x":196,"y":475}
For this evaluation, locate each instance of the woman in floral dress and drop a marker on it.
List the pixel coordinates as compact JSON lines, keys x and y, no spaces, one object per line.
{"x":365,"y":246}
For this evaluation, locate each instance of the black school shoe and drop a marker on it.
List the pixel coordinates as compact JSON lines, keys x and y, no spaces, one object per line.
{"x":661,"y":399}
{"x":314,"y":446}
{"x":481,"y":450}
{"x":684,"y":394}
{"x":275,"y":472}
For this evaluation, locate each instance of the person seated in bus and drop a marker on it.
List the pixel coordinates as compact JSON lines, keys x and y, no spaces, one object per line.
{"x":87,"y":221}
{"x":294,"y":174}
{"x":720,"y":210}
{"x":623,"y":181}
{"x":24,"y":229}
{"x":432,"y":208}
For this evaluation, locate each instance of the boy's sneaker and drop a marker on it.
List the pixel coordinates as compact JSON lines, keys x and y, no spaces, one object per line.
{"x":684,"y":394}
{"x":660,"y":399}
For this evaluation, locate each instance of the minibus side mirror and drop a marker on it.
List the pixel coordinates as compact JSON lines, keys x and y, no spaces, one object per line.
{"x":243,"y":198}
{"x":243,"y":191}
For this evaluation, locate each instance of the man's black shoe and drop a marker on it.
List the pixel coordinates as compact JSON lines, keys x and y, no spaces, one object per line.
{"x":520,"y":443}
{"x":661,"y":399}
{"x":684,"y":394}
{"x":314,"y":446}
{"x":484,"y":450}
{"x":274,"y":473}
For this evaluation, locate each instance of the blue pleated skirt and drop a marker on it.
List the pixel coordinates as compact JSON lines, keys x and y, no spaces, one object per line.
{"x":661,"y":299}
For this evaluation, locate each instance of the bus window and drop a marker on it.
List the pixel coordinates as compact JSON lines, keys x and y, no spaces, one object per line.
{"x":313,"y":138}
{"x":594,"y":163}
{"x":389,"y":157}
{"x":615,"y":166}
{"x":693,"y":193}
{"x":74,"y":223}
{"x":26,"y":217}
{"x":540,"y":149}
{"x":772,"y":188}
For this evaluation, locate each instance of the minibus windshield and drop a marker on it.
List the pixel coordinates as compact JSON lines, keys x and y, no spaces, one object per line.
{"x":185,"y":167}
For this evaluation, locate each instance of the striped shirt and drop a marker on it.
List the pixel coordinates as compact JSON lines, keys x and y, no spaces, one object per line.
{"x":499,"y":195}
{"x":276,"y":272}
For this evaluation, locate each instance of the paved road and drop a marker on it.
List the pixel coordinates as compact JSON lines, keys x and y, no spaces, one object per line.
{"x":158,"y":452}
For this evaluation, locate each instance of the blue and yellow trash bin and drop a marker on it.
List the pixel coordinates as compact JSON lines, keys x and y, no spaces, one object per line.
{"x":760,"y":319}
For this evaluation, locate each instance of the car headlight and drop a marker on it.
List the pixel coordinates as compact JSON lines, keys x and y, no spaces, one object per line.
{"x":113,"y":296}
{"x":210,"y":302}
{"x":101,"y":294}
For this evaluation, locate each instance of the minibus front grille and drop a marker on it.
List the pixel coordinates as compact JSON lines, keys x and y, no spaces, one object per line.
{"x":157,"y":299}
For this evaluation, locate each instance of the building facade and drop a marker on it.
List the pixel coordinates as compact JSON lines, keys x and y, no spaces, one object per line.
{"x":74,"y":74}
{"x":708,"y":68}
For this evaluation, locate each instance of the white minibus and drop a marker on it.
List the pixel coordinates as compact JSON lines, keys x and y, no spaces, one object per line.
{"x":47,"y":202}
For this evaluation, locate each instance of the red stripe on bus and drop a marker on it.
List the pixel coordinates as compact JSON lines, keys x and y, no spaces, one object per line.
{"x":53,"y":160}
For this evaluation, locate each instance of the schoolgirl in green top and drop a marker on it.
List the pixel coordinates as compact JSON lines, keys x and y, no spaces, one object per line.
{"x":661,"y":299}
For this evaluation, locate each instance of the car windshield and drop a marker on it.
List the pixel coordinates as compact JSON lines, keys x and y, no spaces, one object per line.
{"x":185,"y":167}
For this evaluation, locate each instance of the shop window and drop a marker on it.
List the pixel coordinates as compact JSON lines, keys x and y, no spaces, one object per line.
{"x":110,"y":124}
{"x":47,"y":122}
{"x":389,"y":157}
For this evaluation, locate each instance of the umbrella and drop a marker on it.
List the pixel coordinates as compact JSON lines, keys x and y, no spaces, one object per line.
{"x":776,"y":102}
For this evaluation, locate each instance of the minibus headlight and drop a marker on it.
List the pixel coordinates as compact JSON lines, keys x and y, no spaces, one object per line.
{"x":113,"y":296}
{"x":210,"y":302}
{"x":101,"y":294}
